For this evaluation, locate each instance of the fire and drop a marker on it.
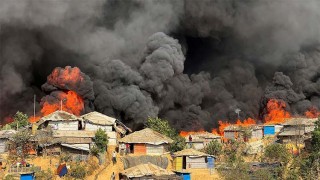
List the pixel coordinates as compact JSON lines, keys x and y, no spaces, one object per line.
{"x":71,"y":102}
{"x":312,"y":113}
{"x":246,"y":122}
{"x":276,"y":112}
{"x":65,"y":77}
{"x":222,"y":125}
{"x":187,"y":133}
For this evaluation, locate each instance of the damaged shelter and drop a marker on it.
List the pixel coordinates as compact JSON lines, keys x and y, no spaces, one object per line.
{"x":297,"y":130}
{"x":5,"y":135}
{"x":148,"y":171}
{"x":202,"y":139}
{"x":191,"y":159}
{"x":146,"y":141}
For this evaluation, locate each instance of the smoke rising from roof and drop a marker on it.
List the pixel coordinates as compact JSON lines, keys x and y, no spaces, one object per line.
{"x":192,"y":62}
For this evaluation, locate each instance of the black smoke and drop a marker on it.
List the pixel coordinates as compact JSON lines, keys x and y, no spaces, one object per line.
{"x":192,"y":62}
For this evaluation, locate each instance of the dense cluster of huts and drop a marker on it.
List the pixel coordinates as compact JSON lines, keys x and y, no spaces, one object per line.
{"x":75,"y":135}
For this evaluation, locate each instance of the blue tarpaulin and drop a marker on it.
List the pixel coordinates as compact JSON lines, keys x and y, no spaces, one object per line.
{"x":26,"y":177}
{"x":269,"y":130}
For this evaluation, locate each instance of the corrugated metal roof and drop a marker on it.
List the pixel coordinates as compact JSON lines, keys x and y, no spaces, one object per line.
{"x":146,"y":170}
{"x":98,"y":118}
{"x":190,"y":152}
{"x":58,"y":116}
{"x":147,"y":136}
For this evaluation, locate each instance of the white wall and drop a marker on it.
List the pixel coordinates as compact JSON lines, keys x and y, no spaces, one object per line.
{"x":197,"y":162}
{"x":94,"y":127}
{"x":64,"y":125}
{"x":155,"y":149}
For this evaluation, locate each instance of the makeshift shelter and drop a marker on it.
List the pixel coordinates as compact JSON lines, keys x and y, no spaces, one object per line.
{"x":60,"y":120}
{"x":201,"y":140}
{"x":95,"y":120}
{"x":297,"y":130}
{"x":190,"y":158}
{"x":148,"y":171}
{"x":5,"y":135}
{"x":147,"y":141}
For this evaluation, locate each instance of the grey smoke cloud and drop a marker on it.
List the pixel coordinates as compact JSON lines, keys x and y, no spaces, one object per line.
{"x":137,"y":70}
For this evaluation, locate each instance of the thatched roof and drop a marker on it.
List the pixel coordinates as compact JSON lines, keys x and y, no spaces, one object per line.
{"x":300,"y":121}
{"x":73,"y":133}
{"x":58,"y":116}
{"x":147,"y":136}
{"x":146,"y":170}
{"x":5,"y":134}
{"x":190,"y":152}
{"x":98,"y":118}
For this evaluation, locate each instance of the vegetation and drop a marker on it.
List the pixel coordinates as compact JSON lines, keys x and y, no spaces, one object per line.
{"x":44,"y":175}
{"x":21,"y":145}
{"x":213,"y":148}
{"x":162,"y":126}
{"x":19,"y":120}
{"x":78,"y":171}
{"x":65,"y":157}
{"x":101,"y":140}
{"x":277,"y":153}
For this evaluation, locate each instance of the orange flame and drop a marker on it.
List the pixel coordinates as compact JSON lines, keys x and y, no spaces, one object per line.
{"x":276,"y":112}
{"x":71,"y":101}
{"x":66,"y":76}
{"x":187,"y":133}
{"x":312,"y":113}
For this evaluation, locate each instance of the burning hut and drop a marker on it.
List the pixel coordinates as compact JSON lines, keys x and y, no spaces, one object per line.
{"x":148,"y":171}
{"x":297,"y":130}
{"x":190,"y":158}
{"x":4,"y":137}
{"x":248,"y":133}
{"x":146,"y":141}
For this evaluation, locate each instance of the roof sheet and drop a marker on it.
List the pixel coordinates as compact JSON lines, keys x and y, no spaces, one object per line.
{"x":190,"y":152}
{"x":98,"y":118}
{"x":58,"y":116}
{"x":147,"y":136}
{"x":146,"y":170}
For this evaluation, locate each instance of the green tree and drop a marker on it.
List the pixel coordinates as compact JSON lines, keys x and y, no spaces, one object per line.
{"x":213,"y":148}
{"x":78,"y":171}
{"x":21,"y":143}
{"x":162,"y":126}
{"x":19,"y":120}
{"x":277,"y":152}
{"x":101,"y":140}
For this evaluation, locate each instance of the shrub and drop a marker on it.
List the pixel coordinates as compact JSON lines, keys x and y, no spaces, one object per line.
{"x":101,"y":140}
{"x":42,"y":175}
{"x":213,"y":148}
{"x":78,"y":171}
